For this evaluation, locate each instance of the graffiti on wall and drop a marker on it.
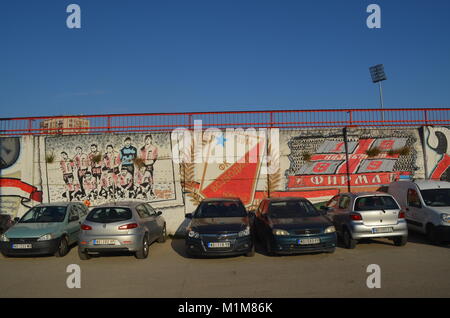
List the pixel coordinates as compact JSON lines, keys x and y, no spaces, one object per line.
{"x":16,"y":190}
{"x":100,"y":168}
{"x":375,"y":158}
{"x":438,"y":152}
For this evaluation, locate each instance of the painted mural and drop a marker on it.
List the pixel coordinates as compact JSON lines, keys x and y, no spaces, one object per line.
{"x":437,"y":149}
{"x":318,"y":160}
{"x":18,"y":189}
{"x":100,"y":168}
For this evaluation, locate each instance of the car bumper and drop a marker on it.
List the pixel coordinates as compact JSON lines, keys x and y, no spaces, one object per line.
{"x":289,"y":244}
{"x":361,"y":231}
{"x":238,"y":246}
{"x":37,"y":247}
{"x":122,"y":243}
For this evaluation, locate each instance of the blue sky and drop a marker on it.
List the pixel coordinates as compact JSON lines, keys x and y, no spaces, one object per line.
{"x":218,"y":55}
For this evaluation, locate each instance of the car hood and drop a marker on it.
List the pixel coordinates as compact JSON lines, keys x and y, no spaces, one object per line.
{"x":28,"y":230}
{"x":441,"y":209}
{"x":300,"y":223}
{"x":219,"y":225}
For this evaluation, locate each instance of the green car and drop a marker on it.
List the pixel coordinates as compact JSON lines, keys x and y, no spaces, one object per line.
{"x":45,"y":229}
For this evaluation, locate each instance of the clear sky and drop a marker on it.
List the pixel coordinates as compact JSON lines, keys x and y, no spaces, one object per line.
{"x":211,"y":55}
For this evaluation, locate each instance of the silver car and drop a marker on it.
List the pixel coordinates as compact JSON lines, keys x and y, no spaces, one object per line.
{"x":367,"y":215}
{"x":126,"y":226}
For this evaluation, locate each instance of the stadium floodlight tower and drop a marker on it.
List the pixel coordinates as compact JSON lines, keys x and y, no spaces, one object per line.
{"x":378,"y":75}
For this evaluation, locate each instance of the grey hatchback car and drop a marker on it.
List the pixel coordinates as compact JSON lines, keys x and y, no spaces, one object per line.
{"x":124,"y":227}
{"x":367,"y":215}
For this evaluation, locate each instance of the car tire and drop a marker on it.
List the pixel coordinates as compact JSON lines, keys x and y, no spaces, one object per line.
{"x":331,"y":251}
{"x":5,"y":255}
{"x":162,"y":238}
{"x":349,"y":242}
{"x":143,"y":252}
{"x":84,"y":256}
{"x":63,"y":247}
{"x":400,"y":240}
{"x":251,"y":253}
{"x":431,"y":234}
{"x":269,"y":249}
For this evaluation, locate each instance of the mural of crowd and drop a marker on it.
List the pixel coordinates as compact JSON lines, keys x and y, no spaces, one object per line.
{"x":123,"y":173}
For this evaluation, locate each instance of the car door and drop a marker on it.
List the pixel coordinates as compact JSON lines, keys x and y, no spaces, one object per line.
{"x":157,"y":220}
{"x":415,"y":216}
{"x":73,"y":223}
{"x":149,"y":221}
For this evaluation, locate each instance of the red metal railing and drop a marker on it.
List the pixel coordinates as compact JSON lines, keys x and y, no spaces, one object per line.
{"x":284,"y":119}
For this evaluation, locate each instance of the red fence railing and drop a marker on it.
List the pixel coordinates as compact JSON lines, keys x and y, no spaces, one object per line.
{"x":284,"y":119}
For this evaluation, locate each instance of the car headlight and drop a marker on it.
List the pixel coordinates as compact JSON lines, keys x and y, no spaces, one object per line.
{"x":4,"y":238}
{"x":193,"y":234}
{"x":45,"y":237}
{"x":245,"y":232}
{"x":445,"y":217}
{"x":330,"y":229}
{"x":280,"y":232}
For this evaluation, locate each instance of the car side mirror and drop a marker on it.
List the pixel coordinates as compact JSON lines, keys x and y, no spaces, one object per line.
{"x":16,"y":220}
{"x":158,"y":213}
{"x":188,"y":215}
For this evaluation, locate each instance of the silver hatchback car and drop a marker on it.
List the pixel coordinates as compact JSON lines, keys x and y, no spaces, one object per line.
{"x":126,"y":226}
{"x":367,"y":215}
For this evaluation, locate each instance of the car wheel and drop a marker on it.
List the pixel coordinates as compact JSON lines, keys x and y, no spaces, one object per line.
{"x":349,"y":242}
{"x":162,"y":238}
{"x":400,"y":240}
{"x":5,"y":255}
{"x":269,"y":249}
{"x":331,"y":251}
{"x":143,"y":252}
{"x":251,"y":253}
{"x":63,"y":247}
{"x":431,"y":234}
{"x":83,"y":255}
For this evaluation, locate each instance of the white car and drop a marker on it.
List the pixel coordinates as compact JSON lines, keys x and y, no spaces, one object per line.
{"x":427,"y":206}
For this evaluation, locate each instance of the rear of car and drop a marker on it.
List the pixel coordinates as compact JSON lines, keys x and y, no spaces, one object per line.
{"x":371,"y":215}
{"x":122,"y":228}
{"x":219,"y":227}
{"x":293,"y":226}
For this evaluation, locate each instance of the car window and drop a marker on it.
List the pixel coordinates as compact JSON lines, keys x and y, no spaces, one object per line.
{"x":218,"y":209}
{"x":45,"y":214}
{"x":82,"y":210}
{"x":109,"y":215}
{"x":150,"y":210}
{"x":344,"y":202}
{"x":142,"y":211}
{"x":333,"y":202}
{"x":292,"y":209}
{"x":74,"y":211}
{"x":375,"y":203}
{"x":436,"y":197}
{"x":413,"y":199}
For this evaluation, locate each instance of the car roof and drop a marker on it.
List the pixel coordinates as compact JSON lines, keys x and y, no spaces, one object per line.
{"x":431,"y":184}
{"x":220,"y":199}
{"x":61,"y":203}
{"x":127,"y":204}
{"x":278,"y":199}
{"x":366,"y":193}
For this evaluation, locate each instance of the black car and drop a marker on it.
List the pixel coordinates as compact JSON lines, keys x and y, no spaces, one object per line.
{"x":219,"y":227}
{"x":293,"y":225}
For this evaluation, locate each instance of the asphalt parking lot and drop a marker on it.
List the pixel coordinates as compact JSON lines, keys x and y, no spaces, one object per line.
{"x":416,"y":270}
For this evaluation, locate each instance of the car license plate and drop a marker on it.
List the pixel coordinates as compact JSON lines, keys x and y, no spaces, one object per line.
{"x":382,"y":230}
{"x":308,"y":241}
{"x":104,"y":242}
{"x":219,"y":244}
{"x":20,"y":246}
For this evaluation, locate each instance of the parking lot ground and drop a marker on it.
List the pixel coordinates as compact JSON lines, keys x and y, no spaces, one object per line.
{"x":415,"y":270}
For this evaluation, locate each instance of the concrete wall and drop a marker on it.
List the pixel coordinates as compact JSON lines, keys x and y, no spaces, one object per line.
{"x":173,"y":173}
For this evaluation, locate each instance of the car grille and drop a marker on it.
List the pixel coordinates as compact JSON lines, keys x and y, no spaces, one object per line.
{"x":218,"y":236}
{"x":307,"y":231}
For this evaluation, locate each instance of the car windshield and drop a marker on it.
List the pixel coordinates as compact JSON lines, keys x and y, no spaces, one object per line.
{"x":292,"y":209}
{"x":220,"y":209}
{"x":375,"y":203}
{"x":45,"y":214}
{"x":109,"y":215}
{"x":436,"y":197}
